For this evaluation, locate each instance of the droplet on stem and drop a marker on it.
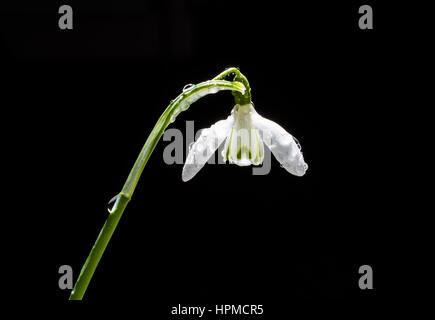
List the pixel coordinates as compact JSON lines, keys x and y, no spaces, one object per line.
{"x":111,"y":203}
{"x":188,"y":87}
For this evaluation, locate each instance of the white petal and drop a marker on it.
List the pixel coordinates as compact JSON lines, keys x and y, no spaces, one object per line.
{"x":243,"y":146}
{"x":205,"y":146}
{"x":282,"y":144}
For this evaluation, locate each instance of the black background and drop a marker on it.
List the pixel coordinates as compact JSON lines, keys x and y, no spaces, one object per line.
{"x":90,"y":96}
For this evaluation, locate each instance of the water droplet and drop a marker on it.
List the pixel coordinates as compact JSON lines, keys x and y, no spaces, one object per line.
{"x":184,"y":106}
{"x":174,"y":115}
{"x":285,"y":140}
{"x":229,"y":75}
{"x":297,"y":143}
{"x":205,"y":133}
{"x":190,"y":145}
{"x":188,"y":87}
{"x":111,"y":203}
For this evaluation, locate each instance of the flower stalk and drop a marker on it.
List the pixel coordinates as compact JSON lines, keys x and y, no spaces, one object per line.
{"x":239,"y":98}
{"x":241,"y":90}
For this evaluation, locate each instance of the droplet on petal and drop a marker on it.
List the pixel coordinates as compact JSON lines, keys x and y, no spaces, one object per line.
{"x":282,"y":144}
{"x":285,"y":140}
{"x":205,"y":133}
{"x":190,"y":145}
{"x":298,"y":144}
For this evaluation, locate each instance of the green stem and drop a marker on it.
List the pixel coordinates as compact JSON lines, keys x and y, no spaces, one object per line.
{"x":98,"y":249}
{"x":181,"y":103}
{"x":239,"y":98}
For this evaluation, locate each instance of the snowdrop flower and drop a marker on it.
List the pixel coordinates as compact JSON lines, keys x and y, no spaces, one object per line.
{"x":245,"y":132}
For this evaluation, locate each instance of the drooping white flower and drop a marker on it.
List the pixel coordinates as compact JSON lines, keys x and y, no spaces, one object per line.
{"x":245,"y":132}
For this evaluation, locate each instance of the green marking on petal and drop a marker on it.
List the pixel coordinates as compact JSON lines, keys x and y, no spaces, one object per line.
{"x":244,"y":151}
{"x":227,"y":154}
{"x":258,"y":158}
{"x":239,"y":154}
